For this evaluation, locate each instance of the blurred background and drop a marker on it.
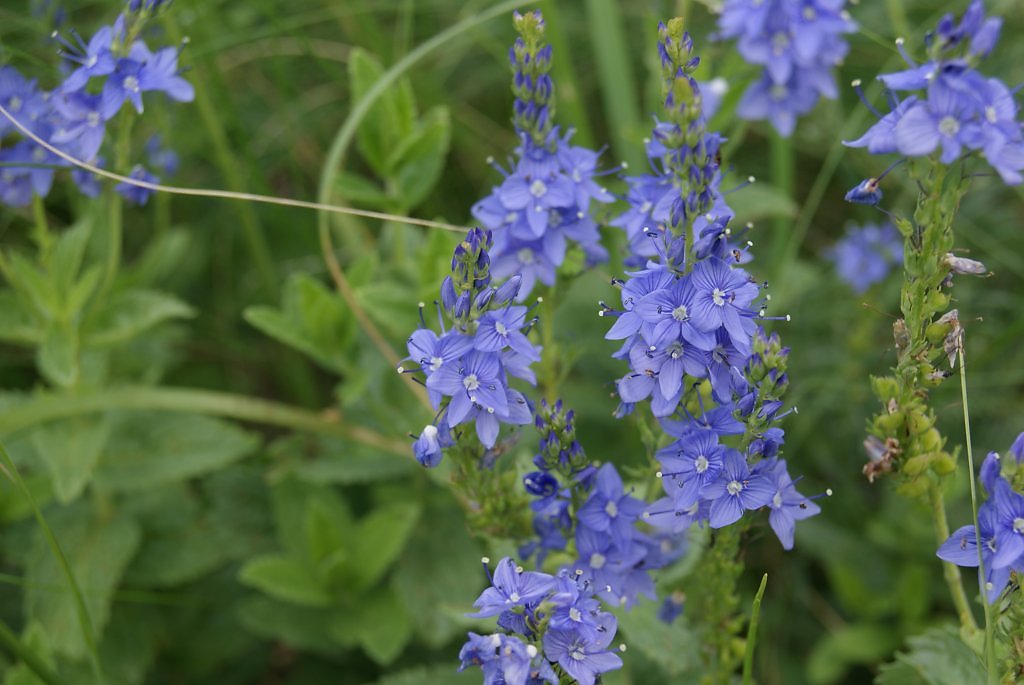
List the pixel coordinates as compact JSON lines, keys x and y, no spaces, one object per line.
{"x":200,"y":543}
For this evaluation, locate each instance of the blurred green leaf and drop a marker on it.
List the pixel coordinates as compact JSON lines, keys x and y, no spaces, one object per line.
{"x":378,"y":623}
{"x":762,"y":201}
{"x":58,"y":357}
{"x":31,"y":283}
{"x":362,"y":191}
{"x":858,"y":643}
{"x":328,"y":461}
{"x":938,"y":657}
{"x":98,"y":551}
{"x":161,"y":258}
{"x":312,"y":319}
{"x":299,"y":627}
{"x":673,"y":647}
{"x":291,"y":500}
{"x":71,"y":449}
{"x":18,"y":324}
{"x":379,"y":539}
{"x":416,"y":163}
{"x":390,"y":119}
{"x":66,"y":260}
{"x":442,"y":550}
{"x":148,"y":449}
{"x":437,"y":675}
{"x":130,"y":313}
{"x":286,"y":579}
{"x":36,"y":639}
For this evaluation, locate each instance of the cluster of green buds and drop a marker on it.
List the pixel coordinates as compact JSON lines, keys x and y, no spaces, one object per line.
{"x":903,"y":438}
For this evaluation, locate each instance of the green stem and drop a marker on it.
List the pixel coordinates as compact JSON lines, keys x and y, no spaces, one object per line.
{"x":81,"y":610}
{"x":52,"y":407}
{"x":41,"y":234}
{"x":115,"y":206}
{"x":990,"y":647}
{"x":549,"y":355}
{"x":27,"y":656}
{"x":755,"y":614}
{"x":783,"y":177}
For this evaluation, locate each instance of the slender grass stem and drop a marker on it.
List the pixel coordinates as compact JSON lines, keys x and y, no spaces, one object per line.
{"x":783,"y":162}
{"x":990,"y":649}
{"x":52,"y":407}
{"x":27,"y":656}
{"x":755,"y":615}
{"x":81,"y":610}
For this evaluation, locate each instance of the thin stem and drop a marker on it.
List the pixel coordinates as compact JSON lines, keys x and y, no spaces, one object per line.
{"x":951,"y":572}
{"x":115,"y":204}
{"x":990,"y":647}
{"x":755,"y":614}
{"x":52,"y":407}
{"x":41,"y":234}
{"x":27,"y":656}
{"x":783,"y":176}
{"x":549,"y":355}
{"x":81,"y":610}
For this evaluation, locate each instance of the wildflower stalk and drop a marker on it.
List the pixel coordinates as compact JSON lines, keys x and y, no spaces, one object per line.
{"x":755,"y":614}
{"x":31,"y":660}
{"x":41,"y":227}
{"x":990,"y":649}
{"x":115,"y":204}
{"x":913,"y":446}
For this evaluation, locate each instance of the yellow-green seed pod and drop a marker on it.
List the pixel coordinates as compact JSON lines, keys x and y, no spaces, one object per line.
{"x":930,"y":440}
{"x":915,"y":466}
{"x":944,"y":464}
{"x":890,"y":424}
{"x":913,"y":488}
{"x":885,"y":387}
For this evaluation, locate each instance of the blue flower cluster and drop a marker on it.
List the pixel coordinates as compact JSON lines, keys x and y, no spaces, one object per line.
{"x":798,"y":43}
{"x":952,"y":107}
{"x":467,"y":366}
{"x":866,"y":254}
{"x":543,"y":205}
{"x":689,"y":322}
{"x":1001,"y":522}
{"x":114,"y":67}
{"x":554,"y":625}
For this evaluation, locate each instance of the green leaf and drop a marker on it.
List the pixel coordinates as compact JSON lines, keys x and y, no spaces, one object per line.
{"x":329,"y":461}
{"x":442,"y":550}
{"x":390,"y":119}
{"x":434,"y":675}
{"x":148,"y":449}
{"x":32,"y":283}
{"x":324,"y":535}
{"x":18,"y":324}
{"x":98,"y":552}
{"x":362,"y":191}
{"x":81,"y":291}
{"x":57,"y":358}
{"x":378,"y":623}
{"x":36,"y":640}
{"x":163,"y":256}
{"x":938,"y":657}
{"x":762,"y":201}
{"x":71,"y":449}
{"x":285,"y":579}
{"x":312,"y":319}
{"x":379,"y":539}
{"x":291,"y":499}
{"x":296,"y":626}
{"x":673,"y":647}
{"x":66,"y":260}
{"x":416,"y":164}
{"x":858,"y":643}
{"x":130,"y":313}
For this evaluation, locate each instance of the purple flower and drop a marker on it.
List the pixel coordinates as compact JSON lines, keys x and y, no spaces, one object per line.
{"x":512,"y":587}
{"x":866,"y":254}
{"x":736,"y":490}
{"x":610,"y":509}
{"x":787,"y":505}
{"x":583,"y":657}
{"x":689,"y":466}
{"x":136,"y":194}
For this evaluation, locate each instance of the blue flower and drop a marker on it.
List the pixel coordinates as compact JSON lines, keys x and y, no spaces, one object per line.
{"x":133,"y":193}
{"x":736,"y":490}
{"x":582,"y":656}
{"x":610,"y":509}
{"x":797,"y":43}
{"x":93,"y":58}
{"x":787,"y":505}
{"x":83,"y":126}
{"x":688,"y":467}
{"x":866,"y":254}
{"x":512,"y":587}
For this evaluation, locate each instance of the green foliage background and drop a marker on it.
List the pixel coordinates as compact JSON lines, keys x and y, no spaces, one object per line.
{"x":221,"y":452}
